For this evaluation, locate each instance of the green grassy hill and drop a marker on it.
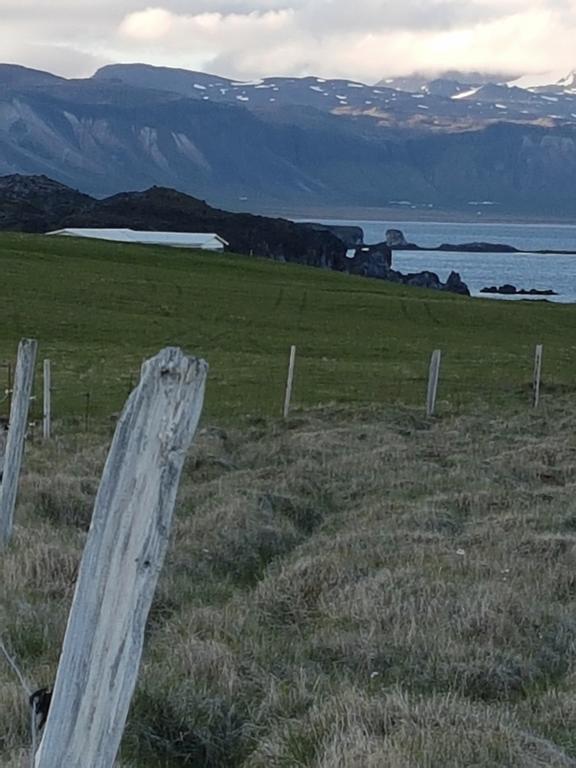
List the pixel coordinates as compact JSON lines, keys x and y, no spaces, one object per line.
{"x":97,"y":309}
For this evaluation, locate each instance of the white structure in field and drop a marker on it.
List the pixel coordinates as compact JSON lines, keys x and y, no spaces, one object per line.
{"x":208,"y":241}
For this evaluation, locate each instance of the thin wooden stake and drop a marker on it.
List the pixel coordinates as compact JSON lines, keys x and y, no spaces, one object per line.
{"x":121,"y":563}
{"x":86,"y":411}
{"x":47,"y":411}
{"x":289,"y":382}
{"x":433,"y":377}
{"x":23,"y":379}
{"x":537,"y":376}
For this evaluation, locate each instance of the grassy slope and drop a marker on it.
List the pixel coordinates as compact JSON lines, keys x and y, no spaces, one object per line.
{"x":98,"y":308}
{"x":356,"y":589}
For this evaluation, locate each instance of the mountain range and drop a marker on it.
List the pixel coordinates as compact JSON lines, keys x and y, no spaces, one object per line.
{"x":456,"y":142}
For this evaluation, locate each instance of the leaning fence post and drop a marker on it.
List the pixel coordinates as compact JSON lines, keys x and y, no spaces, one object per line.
{"x":47,"y":409}
{"x":289,"y":382}
{"x":121,"y":563}
{"x":433,"y":376}
{"x":23,"y":378}
{"x":537,"y":375}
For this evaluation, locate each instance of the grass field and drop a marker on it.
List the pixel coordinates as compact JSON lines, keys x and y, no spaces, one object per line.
{"x":358,"y":588}
{"x":97,"y":309}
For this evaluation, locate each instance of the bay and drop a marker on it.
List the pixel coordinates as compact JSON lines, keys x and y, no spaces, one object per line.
{"x":478,"y":270}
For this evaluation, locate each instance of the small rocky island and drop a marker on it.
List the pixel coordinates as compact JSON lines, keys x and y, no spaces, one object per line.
{"x":396,"y":240}
{"x":510,"y":290}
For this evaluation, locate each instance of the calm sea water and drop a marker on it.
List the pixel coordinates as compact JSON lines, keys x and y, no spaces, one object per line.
{"x":480,"y":270}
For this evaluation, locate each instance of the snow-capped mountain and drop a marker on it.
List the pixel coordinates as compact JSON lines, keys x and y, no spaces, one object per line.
{"x":444,"y":103}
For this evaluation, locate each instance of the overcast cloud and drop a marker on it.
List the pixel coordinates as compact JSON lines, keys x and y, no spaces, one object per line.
{"x":361,"y":39}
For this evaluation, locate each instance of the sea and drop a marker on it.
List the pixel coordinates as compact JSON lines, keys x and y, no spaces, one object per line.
{"x":479,"y":270}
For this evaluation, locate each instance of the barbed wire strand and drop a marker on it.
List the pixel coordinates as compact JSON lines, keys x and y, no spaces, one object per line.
{"x":28,"y":691}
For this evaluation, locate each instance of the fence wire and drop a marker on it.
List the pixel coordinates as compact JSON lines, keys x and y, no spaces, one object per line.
{"x":252,"y":385}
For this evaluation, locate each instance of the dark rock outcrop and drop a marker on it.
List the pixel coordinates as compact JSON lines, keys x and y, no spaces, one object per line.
{"x":371,"y":261}
{"x":430,"y":280}
{"x":510,"y":290}
{"x":36,"y":203}
{"x":376,"y":261}
{"x":351,"y":236}
{"x":476,"y":248}
{"x":455,"y":284}
{"x":395,"y":238}
{"x":397,"y":241}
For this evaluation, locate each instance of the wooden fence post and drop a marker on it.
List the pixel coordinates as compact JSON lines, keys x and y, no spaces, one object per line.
{"x":433,"y":377}
{"x":47,"y":409}
{"x":23,"y":378}
{"x":537,"y":376}
{"x":289,"y":382}
{"x":121,"y":563}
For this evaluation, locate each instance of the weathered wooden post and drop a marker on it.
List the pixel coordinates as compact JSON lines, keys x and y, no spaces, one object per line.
{"x":47,"y":409}
{"x":537,"y":375}
{"x":121,"y":563}
{"x":433,"y":377}
{"x":289,"y":382}
{"x":23,"y":378}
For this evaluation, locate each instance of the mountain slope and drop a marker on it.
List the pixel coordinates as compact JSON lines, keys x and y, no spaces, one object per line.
{"x":321,"y":143}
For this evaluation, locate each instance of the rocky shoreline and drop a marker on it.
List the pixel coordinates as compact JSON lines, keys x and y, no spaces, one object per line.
{"x":376,"y":260}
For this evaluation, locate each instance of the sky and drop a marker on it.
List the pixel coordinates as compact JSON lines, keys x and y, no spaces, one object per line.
{"x":364,"y":40}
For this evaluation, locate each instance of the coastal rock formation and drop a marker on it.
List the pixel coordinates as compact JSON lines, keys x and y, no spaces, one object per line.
{"x":371,"y":261}
{"x":430,"y":280}
{"x":476,"y":248}
{"x":351,"y":236}
{"x":510,"y":290}
{"x":376,"y":261}
{"x":395,"y":239}
{"x":455,"y":284}
{"x":398,"y":242}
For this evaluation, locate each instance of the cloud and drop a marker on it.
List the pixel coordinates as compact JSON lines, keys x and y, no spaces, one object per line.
{"x":210,"y":30}
{"x":365,"y":40}
{"x":151,"y":24}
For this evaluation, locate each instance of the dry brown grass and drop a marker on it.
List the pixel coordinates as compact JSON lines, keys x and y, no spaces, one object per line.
{"x":351,"y":589}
